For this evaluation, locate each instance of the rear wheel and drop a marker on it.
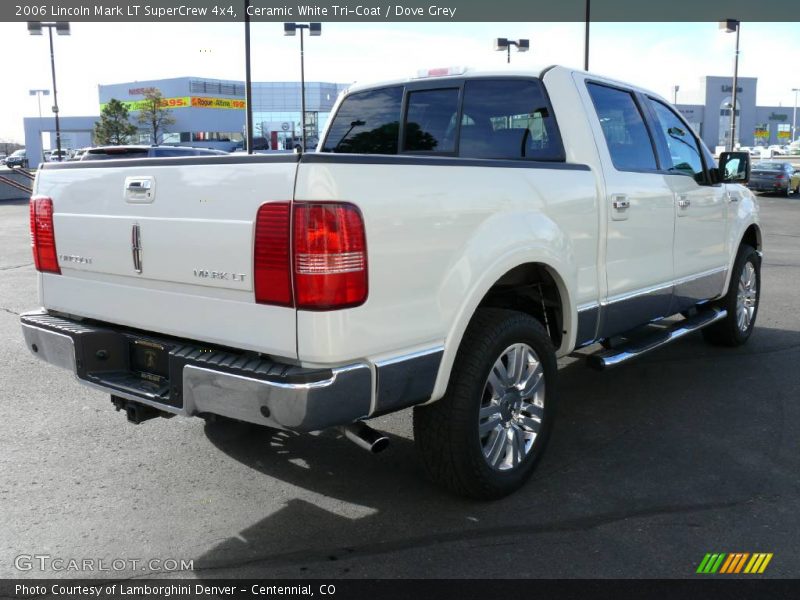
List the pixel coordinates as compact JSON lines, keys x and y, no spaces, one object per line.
{"x":484,"y":437}
{"x":741,"y":301}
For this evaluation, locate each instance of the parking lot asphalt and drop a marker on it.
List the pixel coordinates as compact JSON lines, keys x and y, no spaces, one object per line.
{"x":691,"y":449}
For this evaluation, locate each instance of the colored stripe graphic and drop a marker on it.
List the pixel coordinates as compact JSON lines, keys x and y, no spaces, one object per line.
{"x":765,"y":563}
{"x":711,"y":563}
{"x":729,"y":562}
{"x":734,"y":563}
{"x":741,"y":562}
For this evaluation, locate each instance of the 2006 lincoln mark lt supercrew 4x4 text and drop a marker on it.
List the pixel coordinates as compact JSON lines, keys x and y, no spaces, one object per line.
{"x":452,"y":235}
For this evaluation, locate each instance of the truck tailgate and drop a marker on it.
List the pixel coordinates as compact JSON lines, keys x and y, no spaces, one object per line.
{"x":166,"y":245}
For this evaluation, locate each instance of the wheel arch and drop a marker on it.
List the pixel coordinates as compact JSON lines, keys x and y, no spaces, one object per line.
{"x":531,"y":284}
{"x":751,"y":235}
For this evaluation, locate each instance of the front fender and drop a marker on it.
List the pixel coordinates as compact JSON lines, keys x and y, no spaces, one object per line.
{"x":744,"y":214}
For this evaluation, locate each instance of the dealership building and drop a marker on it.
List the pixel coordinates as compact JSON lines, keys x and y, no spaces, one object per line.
{"x":755,"y":125}
{"x":207,"y":113}
{"x":211,"y":112}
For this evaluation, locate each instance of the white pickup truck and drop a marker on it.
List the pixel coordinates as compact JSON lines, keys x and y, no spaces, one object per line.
{"x":452,"y":236}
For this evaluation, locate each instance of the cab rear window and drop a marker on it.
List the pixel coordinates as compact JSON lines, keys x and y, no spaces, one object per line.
{"x":367,"y":123}
{"x":111,"y":154}
{"x":488,"y":118}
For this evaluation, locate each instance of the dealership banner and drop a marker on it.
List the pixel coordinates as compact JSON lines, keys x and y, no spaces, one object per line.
{"x":406,"y":11}
{"x":187,"y":102}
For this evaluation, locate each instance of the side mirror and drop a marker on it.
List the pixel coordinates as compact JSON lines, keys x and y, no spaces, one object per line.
{"x":734,"y":167}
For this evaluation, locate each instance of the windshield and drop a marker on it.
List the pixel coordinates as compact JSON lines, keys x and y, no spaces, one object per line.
{"x":768,"y":166}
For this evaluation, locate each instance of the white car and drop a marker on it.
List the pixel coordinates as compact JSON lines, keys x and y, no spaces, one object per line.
{"x":56,"y":156}
{"x":454,"y":235}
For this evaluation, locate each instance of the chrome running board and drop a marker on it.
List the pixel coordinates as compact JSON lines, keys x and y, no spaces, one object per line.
{"x":606,"y":359}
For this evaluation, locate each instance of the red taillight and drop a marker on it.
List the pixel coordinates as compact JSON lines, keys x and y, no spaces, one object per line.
{"x":327,"y":268}
{"x":43,"y":236}
{"x":330,"y":256}
{"x":271,"y":267}
{"x":780,"y":177}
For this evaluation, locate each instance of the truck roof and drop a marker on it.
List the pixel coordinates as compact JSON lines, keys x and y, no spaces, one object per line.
{"x":461,"y":72}
{"x":452,"y":72}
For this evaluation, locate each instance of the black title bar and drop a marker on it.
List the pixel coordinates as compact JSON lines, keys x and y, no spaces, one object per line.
{"x":404,"y":11}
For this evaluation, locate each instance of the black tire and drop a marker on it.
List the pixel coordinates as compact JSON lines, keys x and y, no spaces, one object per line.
{"x":727,"y":332}
{"x":446,"y":432}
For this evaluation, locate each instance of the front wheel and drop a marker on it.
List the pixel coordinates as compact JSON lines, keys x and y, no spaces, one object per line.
{"x":485,"y":436}
{"x":741,"y":301}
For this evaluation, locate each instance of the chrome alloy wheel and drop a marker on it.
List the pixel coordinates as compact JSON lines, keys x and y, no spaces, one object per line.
{"x":747,"y":297}
{"x":512,"y":407}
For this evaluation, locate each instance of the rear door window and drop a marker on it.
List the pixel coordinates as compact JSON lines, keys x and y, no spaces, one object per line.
{"x":430,"y":121}
{"x":508,"y":119}
{"x":367,"y":123}
{"x":624,"y":129}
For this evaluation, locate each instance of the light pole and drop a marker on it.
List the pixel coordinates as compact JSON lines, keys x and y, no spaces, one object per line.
{"x":248,"y":83}
{"x":39,"y":94}
{"x":731,"y":26}
{"x":62,"y":28}
{"x":794,"y":116}
{"x":501,"y":44}
{"x":313,"y":29}
{"x":586,"y":36}
{"x":675,"y":90}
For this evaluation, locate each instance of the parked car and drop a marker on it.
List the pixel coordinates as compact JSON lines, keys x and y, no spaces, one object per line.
{"x":56,"y":156}
{"x":130,"y":152}
{"x":17,"y":159}
{"x":78,"y":153}
{"x":771,"y":176}
{"x":455,"y":234}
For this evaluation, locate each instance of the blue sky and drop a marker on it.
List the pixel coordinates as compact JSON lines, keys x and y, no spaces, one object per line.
{"x":653,"y":55}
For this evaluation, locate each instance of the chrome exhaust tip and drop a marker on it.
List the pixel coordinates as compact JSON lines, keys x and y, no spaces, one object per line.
{"x":364,"y":436}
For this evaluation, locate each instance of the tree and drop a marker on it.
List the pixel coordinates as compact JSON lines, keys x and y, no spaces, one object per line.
{"x":154,"y":115}
{"x":113,"y":128}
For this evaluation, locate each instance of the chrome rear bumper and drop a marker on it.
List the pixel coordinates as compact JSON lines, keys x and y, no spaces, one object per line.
{"x":205,"y":381}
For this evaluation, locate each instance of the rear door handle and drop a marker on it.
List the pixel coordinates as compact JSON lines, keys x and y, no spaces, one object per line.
{"x":621,"y":204}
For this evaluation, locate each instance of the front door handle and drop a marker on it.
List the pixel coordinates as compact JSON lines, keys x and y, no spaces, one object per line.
{"x":683,"y":201}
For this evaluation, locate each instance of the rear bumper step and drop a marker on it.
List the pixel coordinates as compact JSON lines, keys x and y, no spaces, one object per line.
{"x":611,"y":358}
{"x":196,"y":380}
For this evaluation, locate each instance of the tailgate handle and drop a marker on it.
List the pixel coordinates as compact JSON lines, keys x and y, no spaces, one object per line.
{"x":140,"y":189}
